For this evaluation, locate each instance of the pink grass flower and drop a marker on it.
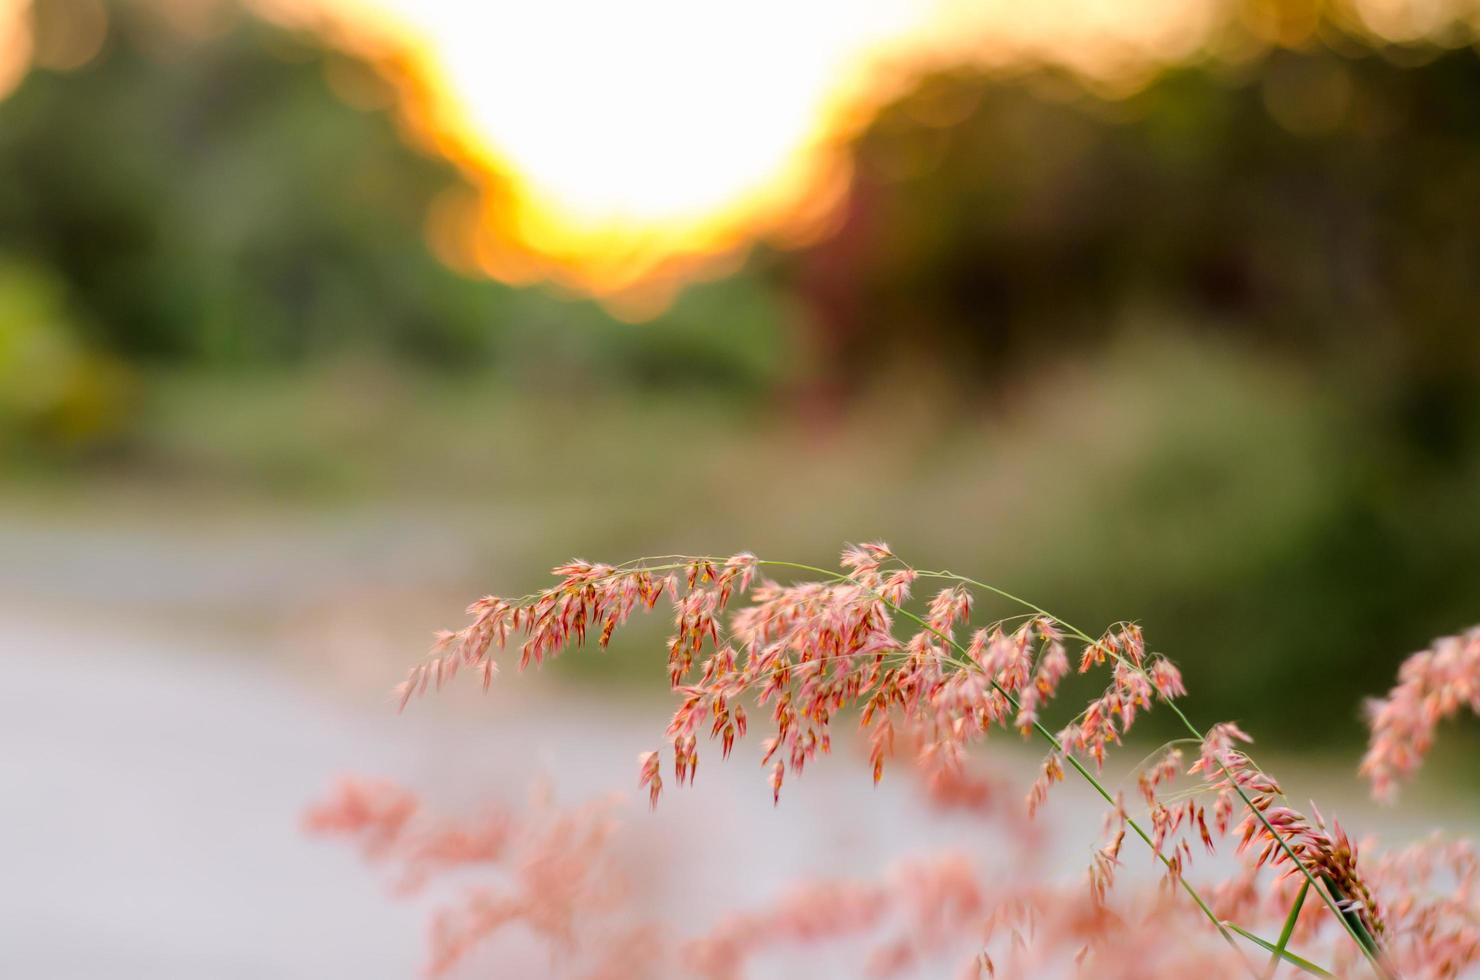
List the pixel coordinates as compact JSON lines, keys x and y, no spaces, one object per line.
{"x":1433,"y":685}
{"x":801,"y":656}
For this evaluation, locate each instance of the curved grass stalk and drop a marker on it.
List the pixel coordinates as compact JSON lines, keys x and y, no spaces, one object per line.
{"x":1356,"y":929}
{"x":1227,"y":930}
{"x":1074,"y":763}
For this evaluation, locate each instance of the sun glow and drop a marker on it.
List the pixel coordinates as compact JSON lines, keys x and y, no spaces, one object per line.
{"x":623,"y":149}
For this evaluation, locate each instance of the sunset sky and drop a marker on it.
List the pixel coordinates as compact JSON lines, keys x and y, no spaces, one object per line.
{"x":622,"y":150}
{"x":632,"y":147}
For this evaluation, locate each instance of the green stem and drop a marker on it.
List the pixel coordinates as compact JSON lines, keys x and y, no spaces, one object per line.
{"x":1358,"y":931}
{"x":1057,"y":747}
{"x":1288,"y":930}
{"x":1283,"y":954}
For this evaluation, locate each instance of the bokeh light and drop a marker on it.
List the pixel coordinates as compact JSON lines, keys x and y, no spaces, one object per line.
{"x":625,"y":150}
{"x":686,"y":131}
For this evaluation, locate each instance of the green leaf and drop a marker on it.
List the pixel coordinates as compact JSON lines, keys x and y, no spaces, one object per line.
{"x":1289,"y":928}
{"x":1283,"y":954}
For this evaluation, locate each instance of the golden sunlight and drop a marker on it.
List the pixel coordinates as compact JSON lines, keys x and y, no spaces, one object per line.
{"x":622,"y":150}
{"x":625,"y":149}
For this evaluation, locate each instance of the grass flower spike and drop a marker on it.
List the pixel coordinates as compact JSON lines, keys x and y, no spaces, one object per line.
{"x":794,"y":649}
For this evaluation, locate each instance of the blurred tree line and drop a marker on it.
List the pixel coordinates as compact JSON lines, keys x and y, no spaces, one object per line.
{"x":1324,"y":205}
{"x":216,"y":200}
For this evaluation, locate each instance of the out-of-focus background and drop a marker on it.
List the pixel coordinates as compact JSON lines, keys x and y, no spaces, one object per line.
{"x":319,"y":318}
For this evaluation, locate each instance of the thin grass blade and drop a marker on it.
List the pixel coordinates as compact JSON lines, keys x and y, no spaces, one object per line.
{"x":1283,"y":954}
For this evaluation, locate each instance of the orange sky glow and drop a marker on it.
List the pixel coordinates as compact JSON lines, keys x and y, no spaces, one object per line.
{"x":622,"y":150}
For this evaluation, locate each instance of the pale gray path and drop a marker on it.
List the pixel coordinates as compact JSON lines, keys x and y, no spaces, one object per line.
{"x":152,"y":794}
